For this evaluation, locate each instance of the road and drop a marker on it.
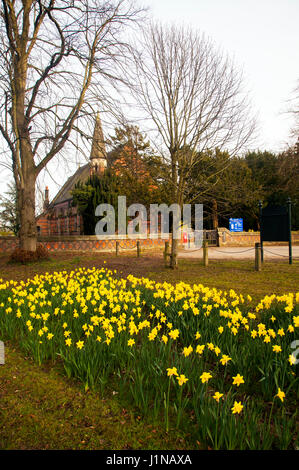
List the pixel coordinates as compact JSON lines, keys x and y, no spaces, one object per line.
{"x":241,"y":252}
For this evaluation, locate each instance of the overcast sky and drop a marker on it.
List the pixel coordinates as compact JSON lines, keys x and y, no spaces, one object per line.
{"x":263,"y":38}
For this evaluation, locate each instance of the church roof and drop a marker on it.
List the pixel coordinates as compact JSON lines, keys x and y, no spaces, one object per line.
{"x":64,"y":193}
{"x":98,"y":152}
{"x":98,"y":148}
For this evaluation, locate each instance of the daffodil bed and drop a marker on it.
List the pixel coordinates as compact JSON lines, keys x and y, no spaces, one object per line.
{"x":200,"y":359}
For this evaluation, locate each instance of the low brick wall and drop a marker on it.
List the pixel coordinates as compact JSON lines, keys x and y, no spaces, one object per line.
{"x":93,"y":244}
{"x":8,"y":244}
{"x":227,"y":238}
{"x":83,"y":243}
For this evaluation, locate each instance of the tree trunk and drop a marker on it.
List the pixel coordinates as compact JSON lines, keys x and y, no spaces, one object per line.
{"x":24,"y":159}
{"x":28,"y":232}
{"x":174,"y":242}
{"x":214,"y":214}
{"x":174,"y":252}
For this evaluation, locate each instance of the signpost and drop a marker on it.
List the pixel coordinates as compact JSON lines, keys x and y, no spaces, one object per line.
{"x":275,"y":225}
{"x":236,"y":225}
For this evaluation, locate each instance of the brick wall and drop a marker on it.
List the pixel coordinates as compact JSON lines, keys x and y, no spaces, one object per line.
{"x":82,"y":243}
{"x":8,"y":244}
{"x":227,"y":238}
{"x":63,"y":220}
{"x":91,"y":243}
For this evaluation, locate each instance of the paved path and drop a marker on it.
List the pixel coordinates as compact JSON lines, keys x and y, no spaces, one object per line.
{"x":242,"y":252}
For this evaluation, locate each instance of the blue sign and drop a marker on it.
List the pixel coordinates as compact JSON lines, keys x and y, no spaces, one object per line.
{"x":236,"y":225}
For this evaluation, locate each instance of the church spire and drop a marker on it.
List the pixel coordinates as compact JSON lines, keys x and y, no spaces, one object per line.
{"x":98,"y":154}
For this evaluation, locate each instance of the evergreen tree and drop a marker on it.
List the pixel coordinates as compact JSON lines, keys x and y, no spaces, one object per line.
{"x":225,"y":186}
{"x":9,"y":216}
{"x":233,"y":186}
{"x":96,"y":190}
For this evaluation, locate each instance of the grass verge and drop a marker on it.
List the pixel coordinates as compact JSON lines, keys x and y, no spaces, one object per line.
{"x":40,"y":409}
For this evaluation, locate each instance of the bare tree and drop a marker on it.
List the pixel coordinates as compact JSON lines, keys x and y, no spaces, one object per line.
{"x":53,"y":54}
{"x":293,"y":110}
{"x":193,"y":95}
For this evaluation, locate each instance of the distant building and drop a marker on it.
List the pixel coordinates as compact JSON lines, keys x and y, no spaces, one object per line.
{"x":59,"y":216}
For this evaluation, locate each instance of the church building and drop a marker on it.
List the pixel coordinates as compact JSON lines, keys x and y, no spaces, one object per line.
{"x":59,"y":216}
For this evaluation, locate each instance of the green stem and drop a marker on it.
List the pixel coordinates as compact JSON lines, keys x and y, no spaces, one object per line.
{"x":270,"y":415}
{"x":216,"y":434}
{"x":179,"y":407}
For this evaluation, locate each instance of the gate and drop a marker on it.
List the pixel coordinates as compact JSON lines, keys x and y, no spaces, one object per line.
{"x":212,"y":237}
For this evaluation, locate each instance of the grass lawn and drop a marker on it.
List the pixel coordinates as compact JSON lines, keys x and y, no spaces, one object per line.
{"x":276,"y":276}
{"x":41,"y":409}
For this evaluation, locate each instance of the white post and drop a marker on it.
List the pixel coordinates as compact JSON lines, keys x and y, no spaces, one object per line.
{"x":2,"y":355}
